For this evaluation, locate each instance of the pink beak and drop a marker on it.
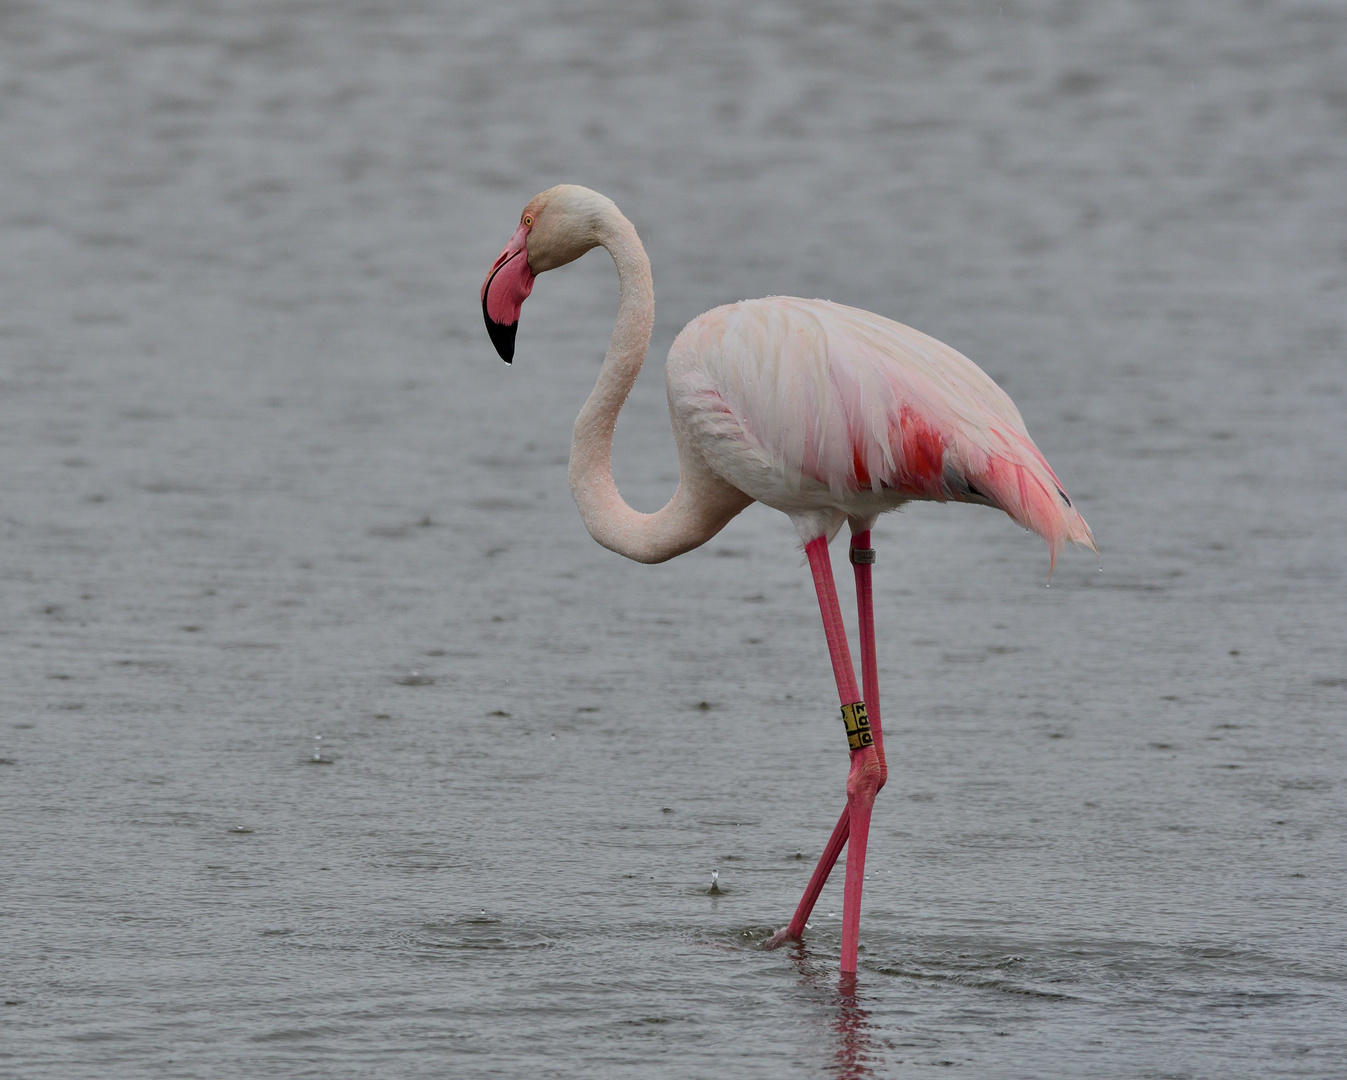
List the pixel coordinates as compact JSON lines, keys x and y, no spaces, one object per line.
{"x":504,"y":292}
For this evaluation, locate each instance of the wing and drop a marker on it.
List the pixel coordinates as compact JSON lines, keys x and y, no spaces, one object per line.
{"x":823,"y":396}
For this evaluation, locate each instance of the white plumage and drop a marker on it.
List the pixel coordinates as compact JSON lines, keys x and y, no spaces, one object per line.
{"x":810,"y":406}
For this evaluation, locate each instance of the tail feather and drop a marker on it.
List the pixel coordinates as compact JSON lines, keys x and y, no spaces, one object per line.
{"x":1020,"y":482}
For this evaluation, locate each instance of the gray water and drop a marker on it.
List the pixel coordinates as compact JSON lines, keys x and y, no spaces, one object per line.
{"x":333,"y":746}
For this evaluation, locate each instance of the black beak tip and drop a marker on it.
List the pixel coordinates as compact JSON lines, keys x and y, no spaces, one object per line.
{"x":502,"y":336}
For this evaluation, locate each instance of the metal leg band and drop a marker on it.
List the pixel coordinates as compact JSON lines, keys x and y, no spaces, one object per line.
{"x":863,"y":555}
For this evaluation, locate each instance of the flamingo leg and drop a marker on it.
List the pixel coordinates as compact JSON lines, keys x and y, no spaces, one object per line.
{"x":868,"y":768}
{"x":862,"y":559}
{"x":865,"y":777}
{"x":835,"y":631}
{"x":826,"y":861}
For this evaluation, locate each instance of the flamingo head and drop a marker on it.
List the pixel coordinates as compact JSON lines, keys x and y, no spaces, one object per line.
{"x":557,"y":227}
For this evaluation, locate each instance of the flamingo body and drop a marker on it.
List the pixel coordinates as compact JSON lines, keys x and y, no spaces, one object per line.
{"x":818,"y":409}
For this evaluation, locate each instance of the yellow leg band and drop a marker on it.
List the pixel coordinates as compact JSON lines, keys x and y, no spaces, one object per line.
{"x":857,"y":725}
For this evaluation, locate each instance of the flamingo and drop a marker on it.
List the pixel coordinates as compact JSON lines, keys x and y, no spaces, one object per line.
{"x":827,"y":413}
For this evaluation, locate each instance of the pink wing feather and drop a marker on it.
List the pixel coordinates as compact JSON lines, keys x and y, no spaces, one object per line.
{"x":827,"y":396}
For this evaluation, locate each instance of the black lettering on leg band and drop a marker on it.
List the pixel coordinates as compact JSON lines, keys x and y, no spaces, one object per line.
{"x":857,"y":724}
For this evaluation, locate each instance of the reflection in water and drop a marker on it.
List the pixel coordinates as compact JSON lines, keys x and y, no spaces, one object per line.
{"x":854,"y":1051}
{"x":855,"y":1042}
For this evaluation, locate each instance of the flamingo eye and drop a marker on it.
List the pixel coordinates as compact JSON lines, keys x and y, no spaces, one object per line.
{"x":528,"y":220}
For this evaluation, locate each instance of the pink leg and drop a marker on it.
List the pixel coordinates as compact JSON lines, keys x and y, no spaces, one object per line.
{"x":827,"y":860}
{"x":862,"y":558}
{"x":868,"y":770}
{"x":863,"y":781}
{"x":835,"y":632}
{"x":833,"y":628}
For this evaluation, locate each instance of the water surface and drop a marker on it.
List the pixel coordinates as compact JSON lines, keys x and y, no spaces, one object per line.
{"x":331,"y":745}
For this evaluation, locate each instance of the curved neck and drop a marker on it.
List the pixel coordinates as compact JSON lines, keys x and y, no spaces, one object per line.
{"x":592,"y":443}
{"x":688,"y":520}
